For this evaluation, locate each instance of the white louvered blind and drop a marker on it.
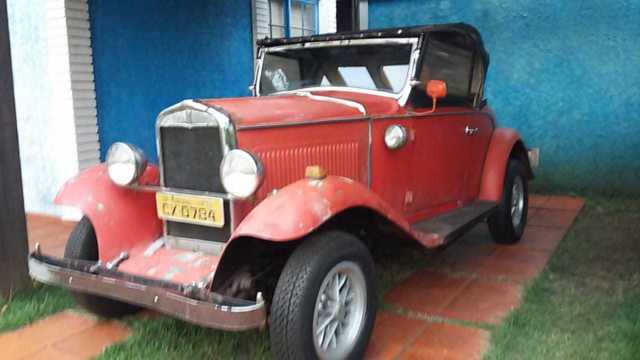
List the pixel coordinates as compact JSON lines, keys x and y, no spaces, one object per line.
{"x":71,"y":65}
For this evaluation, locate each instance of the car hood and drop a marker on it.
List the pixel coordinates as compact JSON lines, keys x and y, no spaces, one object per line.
{"x":316,"y":106}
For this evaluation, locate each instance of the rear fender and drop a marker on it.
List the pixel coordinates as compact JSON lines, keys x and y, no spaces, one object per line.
{"x":303,"y":206}
{"x":122,"y":217}
{"x":504,"y":143}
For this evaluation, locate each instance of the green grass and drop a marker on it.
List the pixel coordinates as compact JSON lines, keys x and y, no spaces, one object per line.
{"x":30,"y":305}
{"x":586,"y":304}
{"x":166,"y":338}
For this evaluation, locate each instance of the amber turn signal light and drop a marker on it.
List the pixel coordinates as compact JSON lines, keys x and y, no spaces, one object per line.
{"x":315,"y":172}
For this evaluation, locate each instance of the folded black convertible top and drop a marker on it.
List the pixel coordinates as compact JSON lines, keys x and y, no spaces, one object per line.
{"x":463,"y":28}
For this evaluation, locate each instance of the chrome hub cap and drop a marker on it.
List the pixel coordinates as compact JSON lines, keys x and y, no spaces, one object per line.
{"x":340,"y":311}
{"x":517,"y":201}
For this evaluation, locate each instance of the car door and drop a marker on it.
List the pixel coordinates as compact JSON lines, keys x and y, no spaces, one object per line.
{"x":444,"y":158}
{"x":441,"y":156}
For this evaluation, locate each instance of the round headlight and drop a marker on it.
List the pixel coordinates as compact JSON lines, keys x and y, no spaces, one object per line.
{"x":125,"y":163}
{"x":395,"y":136}
{"x":241,"y":173}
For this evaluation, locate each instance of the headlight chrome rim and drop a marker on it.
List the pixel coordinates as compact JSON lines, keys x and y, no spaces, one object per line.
{"x":125,"y":163}
{"x":238,"y":184}
{"x":395,"y":136}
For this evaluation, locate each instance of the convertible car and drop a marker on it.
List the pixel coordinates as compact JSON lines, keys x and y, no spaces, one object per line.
{"x":261,"y":210}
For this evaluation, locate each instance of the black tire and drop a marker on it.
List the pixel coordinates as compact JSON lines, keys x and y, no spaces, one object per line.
{"x":501,"y":223}
{"x":294,"y":301}
{"x":82,"y":245}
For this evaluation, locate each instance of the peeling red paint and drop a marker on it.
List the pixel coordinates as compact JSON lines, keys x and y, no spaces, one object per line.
{"x":122,"y":217}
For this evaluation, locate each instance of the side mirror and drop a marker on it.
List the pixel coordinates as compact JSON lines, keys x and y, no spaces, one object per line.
{"x":436,"y":89}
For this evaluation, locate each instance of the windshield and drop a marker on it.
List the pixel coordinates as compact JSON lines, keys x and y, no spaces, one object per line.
{"x":382,"y":67}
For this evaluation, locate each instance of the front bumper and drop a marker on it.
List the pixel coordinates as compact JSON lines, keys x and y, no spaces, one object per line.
{"x":192,"y":304}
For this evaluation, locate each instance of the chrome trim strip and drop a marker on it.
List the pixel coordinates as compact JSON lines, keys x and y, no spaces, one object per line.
{"x":353,"y":104}
{"x":337,"y":88}
{"x":202,"y":312}
{"x":370,"y":117}
{"x":299,"y":123}
{"x":426,"y":115}
{"x":411,"y":75}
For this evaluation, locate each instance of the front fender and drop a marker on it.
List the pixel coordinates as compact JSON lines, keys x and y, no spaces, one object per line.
{"x":503,"y":142}
{"x":301,"y":207}
{"x":121,"y":217}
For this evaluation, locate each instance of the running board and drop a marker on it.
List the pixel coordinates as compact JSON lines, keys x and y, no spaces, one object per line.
{"x":447,"y":227}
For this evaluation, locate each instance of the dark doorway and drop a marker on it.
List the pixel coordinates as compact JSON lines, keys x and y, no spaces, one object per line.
{"x":347,"y":15}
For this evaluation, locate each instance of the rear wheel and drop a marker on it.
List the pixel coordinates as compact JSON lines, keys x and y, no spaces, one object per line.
{"x":507,"y":223}
{"x":324,"y":305}
{"x":82,"y":245}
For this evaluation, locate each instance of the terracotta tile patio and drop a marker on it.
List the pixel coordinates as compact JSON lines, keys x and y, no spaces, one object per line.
{"x":472,"y":282}
{"x":432,"y":313}
{"x":65,"y":335}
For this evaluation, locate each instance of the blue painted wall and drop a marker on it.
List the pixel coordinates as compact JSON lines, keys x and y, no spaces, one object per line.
{"x":149,"y":55}
{"x":566,"y":74}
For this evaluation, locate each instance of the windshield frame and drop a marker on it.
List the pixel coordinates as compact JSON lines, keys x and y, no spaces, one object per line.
{"x":402,"y":96}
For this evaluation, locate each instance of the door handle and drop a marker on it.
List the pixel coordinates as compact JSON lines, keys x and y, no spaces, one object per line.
{"x":470,"y":130}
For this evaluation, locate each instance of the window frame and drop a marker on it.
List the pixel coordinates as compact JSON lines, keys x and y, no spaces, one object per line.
{"x":288,"y":23}
{"x":472,"y":99}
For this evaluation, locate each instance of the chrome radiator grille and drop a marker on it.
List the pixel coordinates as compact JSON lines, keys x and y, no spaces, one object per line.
{"x":191,"y":159}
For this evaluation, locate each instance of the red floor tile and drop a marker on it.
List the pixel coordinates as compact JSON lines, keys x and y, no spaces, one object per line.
{"x":65,"y":335}
{"x":446,"y":341}
{"x":515,"y":263}
{"x":483,"y":301}
{"x":426,"y":292}
{"x":39,"y":335}
{"x":541,"y":238}
{"x":50,"y":232}
{"x":553,"y":218}
{"x":564,"y":203}
{"x":50,"y":353}
{"x":93,"y":341}
{"x":391,"y":334}
{"x":537,"y":201}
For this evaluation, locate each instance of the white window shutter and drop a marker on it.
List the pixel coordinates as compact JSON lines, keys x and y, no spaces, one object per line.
{"x":72,"y":81}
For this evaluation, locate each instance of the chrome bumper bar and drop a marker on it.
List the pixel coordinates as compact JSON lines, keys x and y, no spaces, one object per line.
{"x":209,"y":310}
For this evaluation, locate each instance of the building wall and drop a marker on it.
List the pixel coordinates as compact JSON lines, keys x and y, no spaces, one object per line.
{"x":148,"y":57}
{"x":563,"y":73}
{"x":55,"y":104}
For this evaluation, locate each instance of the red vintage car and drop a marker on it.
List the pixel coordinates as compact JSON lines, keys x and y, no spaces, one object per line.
{"x":268,"y":204}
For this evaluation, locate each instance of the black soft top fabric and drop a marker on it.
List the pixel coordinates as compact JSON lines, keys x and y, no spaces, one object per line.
{"x":413,"y":31}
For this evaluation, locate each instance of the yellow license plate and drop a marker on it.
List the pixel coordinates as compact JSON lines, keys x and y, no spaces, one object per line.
{"x":192,"y":209}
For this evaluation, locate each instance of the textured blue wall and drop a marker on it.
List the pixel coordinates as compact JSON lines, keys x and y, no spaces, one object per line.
{"x":149,"y":55}
{"x":566,"y":74}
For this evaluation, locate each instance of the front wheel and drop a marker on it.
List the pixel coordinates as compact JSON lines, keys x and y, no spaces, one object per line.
{"x":507,"y":223}
{"x":83,"y":245}
{"x":324,"y":305}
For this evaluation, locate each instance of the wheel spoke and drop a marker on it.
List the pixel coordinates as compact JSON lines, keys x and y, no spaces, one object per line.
{"x":346,"y":291}
{"x":342,"y":281}
{"x":336,"y":288}
{"x":330,"y":333}
{"x":324,"y":325}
